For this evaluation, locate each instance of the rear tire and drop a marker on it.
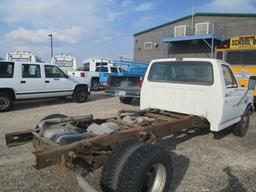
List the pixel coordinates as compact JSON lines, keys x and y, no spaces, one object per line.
{"x":6,"y":102}
{"x":125,"y":100}
{"x":242,"y":126}
{"x":136,"y":167}
{"x":148,"y":169}
{"x":95,"y":85}
{"x":80,"y":95}
{"x":116,"y":160}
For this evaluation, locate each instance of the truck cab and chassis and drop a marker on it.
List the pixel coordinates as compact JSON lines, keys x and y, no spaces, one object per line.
{"x":176,"y":95}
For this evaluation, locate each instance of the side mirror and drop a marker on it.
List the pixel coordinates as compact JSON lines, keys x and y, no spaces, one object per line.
{"x":252,"y":83}
{"x":66,"y":76}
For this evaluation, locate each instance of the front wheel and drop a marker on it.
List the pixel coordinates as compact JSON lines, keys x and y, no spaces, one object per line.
{"x":6,"y":102}
{"x":242,"y":126}
{"x":80,"y":95}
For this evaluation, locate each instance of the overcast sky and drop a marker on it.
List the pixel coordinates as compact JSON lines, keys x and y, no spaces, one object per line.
{"x":86,"y":28}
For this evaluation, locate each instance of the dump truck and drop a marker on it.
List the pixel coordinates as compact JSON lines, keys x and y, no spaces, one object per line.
{"x":176,"y":95}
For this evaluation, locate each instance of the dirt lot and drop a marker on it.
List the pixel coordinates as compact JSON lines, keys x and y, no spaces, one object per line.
{"x":200,"y":162}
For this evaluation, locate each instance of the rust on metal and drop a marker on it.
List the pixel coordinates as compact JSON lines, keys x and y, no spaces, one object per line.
{"x":18,"y":138}
{"x":96,"y":149}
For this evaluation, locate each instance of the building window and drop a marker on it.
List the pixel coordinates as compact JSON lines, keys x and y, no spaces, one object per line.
{"x":202,"y":28}
{"x":148,"y":45}
{"x":180,"y":30}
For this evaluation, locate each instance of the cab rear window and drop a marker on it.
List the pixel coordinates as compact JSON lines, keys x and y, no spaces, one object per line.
{"x":6,"y":69}
{"x":187,"y":72}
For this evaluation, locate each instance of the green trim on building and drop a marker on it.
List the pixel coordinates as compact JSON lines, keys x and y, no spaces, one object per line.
{"x":198,"y":14}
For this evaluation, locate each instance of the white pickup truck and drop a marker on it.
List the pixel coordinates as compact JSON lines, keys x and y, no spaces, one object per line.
{"x":26,"y":80}
{"x":202,"y":87}
{"x":96,"y":70}
{"x":177,"y":95}
{"x":94,"y":76}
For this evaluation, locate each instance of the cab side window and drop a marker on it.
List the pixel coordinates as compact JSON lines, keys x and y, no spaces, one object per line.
{"x":229,"y":78}
{"x":101,"y":69}
{"x":30,"y":71}
{"x":6,"y":70}
{"x":53,"y":72}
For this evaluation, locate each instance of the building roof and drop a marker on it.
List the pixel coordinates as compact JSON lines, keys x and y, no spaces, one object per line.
{"x":198,"y":14}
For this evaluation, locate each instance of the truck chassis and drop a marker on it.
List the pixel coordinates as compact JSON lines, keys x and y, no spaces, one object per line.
{"x":91,"y":153}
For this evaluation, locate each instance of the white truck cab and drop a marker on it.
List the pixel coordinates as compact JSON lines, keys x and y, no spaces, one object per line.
{"x":201,"y":87}
{"x":30,"y":80}
{"x":92,"y":68}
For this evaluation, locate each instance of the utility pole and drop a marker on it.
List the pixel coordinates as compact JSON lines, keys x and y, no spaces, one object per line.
{"x":50,"y":35}
{"x":192,"y":19}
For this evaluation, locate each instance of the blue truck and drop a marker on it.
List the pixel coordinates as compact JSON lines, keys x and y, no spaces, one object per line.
{"x":127,"y":83}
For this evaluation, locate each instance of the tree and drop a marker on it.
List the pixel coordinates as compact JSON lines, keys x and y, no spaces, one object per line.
{"x":39,"y":59}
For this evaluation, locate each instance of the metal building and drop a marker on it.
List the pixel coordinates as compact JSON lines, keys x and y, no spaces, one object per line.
{"x":191,"y":36}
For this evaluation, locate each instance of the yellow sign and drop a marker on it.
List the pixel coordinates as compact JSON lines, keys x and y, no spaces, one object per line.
{"x":243,"y":42}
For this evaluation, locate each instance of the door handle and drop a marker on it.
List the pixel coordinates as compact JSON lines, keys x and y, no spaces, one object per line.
{"x":22,"y":82}
{"x":47,"y":81}
{"x":56,"y":79}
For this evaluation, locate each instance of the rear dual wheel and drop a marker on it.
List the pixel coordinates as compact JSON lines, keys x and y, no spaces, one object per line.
{"x":137,"y":167}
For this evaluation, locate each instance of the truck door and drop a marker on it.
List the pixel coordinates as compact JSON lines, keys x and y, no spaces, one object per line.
{"x":232,"y":95}
{"x":31,"y":81}
{"x":56,"y":81}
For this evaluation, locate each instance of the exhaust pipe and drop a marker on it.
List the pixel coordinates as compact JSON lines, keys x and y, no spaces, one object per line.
{"x":84,"y":184}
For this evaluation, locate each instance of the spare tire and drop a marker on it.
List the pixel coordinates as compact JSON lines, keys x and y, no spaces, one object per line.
{"x":37,"y":144}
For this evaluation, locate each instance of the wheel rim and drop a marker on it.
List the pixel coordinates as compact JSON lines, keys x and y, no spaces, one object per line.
{"x":95,"y":86}
{"x":155,"y":179}
{"x":4,"y":102}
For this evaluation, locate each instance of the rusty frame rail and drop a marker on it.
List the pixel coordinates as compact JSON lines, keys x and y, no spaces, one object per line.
{"x":94,"y":151}
{"x":87,"y":147}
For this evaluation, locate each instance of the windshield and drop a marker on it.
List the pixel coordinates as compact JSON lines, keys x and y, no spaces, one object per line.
{"x":114,"y":70}
{"x":189,"y":72}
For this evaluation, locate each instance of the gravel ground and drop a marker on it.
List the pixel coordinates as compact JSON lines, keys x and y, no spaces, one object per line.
{"x":201,"y":163}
